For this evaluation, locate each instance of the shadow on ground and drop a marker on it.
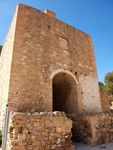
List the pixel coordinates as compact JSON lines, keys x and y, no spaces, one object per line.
{"x":81,"y":146}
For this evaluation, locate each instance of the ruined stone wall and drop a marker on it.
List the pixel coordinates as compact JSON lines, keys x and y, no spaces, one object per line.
{"x":110,"y":98}
{"x":93,"y":129}
{"x":90,"y":93}
{"x":104,"y":101}
{"x":81,"y":130}
{"x":39,"y":131}
{"x":5,"y":68}
{"x":42,"y":45}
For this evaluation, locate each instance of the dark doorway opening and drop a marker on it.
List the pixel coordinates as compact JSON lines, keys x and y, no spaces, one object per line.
{"x":64,"y":93}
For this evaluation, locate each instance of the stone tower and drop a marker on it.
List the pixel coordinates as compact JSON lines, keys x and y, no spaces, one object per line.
{"x":47,"y":65}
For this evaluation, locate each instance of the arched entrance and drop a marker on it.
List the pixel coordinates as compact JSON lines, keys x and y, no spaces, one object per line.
{"x":64,"y":92}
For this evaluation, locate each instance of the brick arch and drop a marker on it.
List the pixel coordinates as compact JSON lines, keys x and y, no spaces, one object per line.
{"x":64,"y":91}
{"x":65,"y":71}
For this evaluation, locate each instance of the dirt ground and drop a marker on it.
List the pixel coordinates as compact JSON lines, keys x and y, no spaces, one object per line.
{"x":80,"y":146}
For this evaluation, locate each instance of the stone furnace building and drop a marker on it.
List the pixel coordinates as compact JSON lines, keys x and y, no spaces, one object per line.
{"x":47,"y":65}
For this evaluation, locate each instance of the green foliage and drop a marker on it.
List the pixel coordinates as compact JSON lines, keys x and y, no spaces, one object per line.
{"x":101,"y":86}
{"x":108,"y":77}
{"x":108,"y":87}
{"x":109,"y":83}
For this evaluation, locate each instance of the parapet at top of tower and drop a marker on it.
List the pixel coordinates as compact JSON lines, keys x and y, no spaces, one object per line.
{"x":50,"y":13}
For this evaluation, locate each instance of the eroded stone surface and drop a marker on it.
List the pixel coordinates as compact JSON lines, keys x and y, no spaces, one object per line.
{"x":24,"y":135}
{"x":90,"y":94}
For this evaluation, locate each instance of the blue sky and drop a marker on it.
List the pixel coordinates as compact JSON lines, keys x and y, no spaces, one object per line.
{"x":94,"y":17}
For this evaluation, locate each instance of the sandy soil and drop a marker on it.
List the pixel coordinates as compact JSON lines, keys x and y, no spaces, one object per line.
{"x":80,"y":146}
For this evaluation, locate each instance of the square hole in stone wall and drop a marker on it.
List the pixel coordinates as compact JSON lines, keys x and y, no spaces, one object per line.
{"x":62,"y":43}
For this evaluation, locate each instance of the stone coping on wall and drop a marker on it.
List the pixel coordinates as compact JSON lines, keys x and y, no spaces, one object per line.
{"x":39,"y":131}
{"x":91,"y":114}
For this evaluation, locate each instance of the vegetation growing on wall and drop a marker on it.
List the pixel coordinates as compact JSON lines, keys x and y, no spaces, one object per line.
{"x":101,"y":86}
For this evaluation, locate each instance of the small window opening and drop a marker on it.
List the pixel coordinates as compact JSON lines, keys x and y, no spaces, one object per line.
{"x":75,"y":73}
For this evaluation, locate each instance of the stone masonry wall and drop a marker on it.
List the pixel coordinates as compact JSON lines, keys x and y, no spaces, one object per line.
{"x":105,"y":101}
{"x":39,"y":131}
{"x":5,"y":68}
{"x":90,"y":93}
{"x":81,"y":130}
{"x":110,"y":98}
{"x":42,"y":45}
{"x":93,"y":129}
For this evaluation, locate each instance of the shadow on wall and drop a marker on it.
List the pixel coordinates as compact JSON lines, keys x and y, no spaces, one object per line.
{"x":64,"y":93}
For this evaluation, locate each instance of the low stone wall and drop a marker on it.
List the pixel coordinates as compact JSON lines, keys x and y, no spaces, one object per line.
{"x":39,"y":131}
{"x":93,"y":129}
{"x":110,"y":98}
{"x":81,"y":130}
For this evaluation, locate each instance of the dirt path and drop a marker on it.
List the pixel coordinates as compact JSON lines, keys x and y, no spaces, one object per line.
{"x":80,"y":146}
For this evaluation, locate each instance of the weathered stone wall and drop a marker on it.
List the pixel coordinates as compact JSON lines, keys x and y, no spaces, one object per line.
{"x":81,"y":130}
{"x":104,"y":101}
{"x":110,"y":99}
{"x":39,"y":131}
{"x":90,"y":93}
{"x":42,"y":45}
{"x":5,"y":67}
{"x":93,"y":129}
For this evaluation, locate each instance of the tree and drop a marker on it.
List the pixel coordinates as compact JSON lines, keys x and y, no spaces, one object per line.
{"x":101,"y":86}
{"x":109,"y":83}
